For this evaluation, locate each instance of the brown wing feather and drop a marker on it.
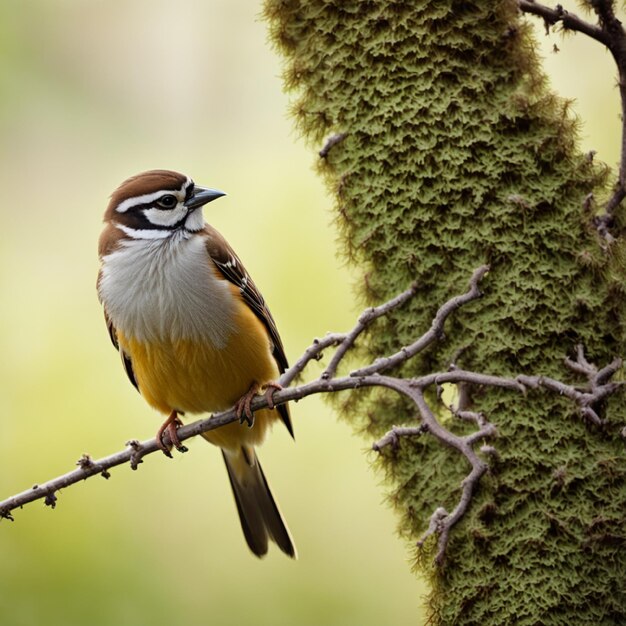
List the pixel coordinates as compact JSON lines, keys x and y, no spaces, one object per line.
{"x":126,"y":362}
{"x":233,"y":270}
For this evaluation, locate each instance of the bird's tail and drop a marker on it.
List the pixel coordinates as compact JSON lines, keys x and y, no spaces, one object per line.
{"x":258,"y":512}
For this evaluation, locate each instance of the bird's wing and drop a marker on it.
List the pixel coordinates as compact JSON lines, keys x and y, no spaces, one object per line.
{"x":126,"y":362}
{"x":233,"y":270}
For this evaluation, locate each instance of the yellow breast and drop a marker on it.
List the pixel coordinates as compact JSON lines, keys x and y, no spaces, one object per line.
{"x":194,"y":375}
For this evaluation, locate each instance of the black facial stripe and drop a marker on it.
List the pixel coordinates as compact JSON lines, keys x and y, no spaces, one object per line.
{"x":135,"y":218}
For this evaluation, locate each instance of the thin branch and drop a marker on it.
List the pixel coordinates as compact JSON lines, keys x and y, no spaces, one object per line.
{"x":441,"y":521}
{"x":597,"y":388}
{"x":313,"y":352}
{"x":331,"y":142}
{"x":570,"y":21}
{"x":609,"y":32}
{"x":365,"y":319}
{"x":434,"y":333}
{"x":616,"y":43}
{"x":393,"y":436}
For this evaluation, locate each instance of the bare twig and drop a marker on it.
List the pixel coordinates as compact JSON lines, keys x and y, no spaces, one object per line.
{"x":587,"y":399}
{"x":365,"y":319}
{"x":393,"y":436}
{"x":434,"y":333}
{"x":570,"y":21}
{"x":616,"y":43}
{"x":609,"y":32}
{"x":313,"y":352}
{"x":332,"y":141}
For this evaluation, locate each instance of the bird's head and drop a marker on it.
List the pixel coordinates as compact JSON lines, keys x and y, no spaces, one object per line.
{"x":158,"y":202}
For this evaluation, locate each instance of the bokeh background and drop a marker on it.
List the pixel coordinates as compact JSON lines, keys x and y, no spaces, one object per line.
{"x":92,"y":91}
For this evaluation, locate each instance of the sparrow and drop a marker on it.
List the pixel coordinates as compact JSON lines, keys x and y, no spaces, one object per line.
{"x":193,"y":331}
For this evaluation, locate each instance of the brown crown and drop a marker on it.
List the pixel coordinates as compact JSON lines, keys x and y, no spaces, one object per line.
{"x":140,"y":184}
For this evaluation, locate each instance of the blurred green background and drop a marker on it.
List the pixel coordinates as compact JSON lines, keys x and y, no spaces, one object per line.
{"x":92,"y":91}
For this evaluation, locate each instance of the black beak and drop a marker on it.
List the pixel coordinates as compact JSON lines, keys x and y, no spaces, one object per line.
{"x":202,"y":196}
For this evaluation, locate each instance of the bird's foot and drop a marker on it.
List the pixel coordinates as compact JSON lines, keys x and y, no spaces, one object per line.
{"x":242,"y":406}
{"x":270,"y":389}
{"x":170,"y":426}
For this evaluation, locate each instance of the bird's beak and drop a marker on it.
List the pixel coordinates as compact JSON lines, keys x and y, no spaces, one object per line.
{"x":202,"y":196}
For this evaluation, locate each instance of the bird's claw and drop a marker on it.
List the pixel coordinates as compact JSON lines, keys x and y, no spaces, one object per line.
{"x":270,"y":389}
{"x":242,"y":407}
{"x":170,"y":427}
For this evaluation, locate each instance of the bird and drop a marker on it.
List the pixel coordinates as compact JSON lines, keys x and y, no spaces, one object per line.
{"x":193,"y":331}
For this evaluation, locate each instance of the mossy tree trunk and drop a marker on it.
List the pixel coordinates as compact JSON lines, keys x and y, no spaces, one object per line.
{"x":456,"y":154}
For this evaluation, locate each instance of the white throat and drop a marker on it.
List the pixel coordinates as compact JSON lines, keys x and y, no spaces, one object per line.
{"x":163,"y":288}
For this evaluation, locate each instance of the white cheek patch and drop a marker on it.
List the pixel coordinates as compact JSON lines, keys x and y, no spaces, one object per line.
{"x":144,"y":233}
{"x":194,"y":221}
{"x":165,"y":217}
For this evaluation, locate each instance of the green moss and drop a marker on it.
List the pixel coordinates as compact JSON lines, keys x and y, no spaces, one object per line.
{"x":456,"y":154}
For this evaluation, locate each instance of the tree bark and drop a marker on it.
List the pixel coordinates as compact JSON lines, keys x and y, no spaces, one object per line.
{"x":449,"y":151}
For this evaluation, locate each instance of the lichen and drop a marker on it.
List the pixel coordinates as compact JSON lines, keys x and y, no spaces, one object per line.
{"x":457,"y":153}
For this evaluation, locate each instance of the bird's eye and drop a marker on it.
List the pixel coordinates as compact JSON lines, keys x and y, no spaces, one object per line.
{"x":167,"y":202}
